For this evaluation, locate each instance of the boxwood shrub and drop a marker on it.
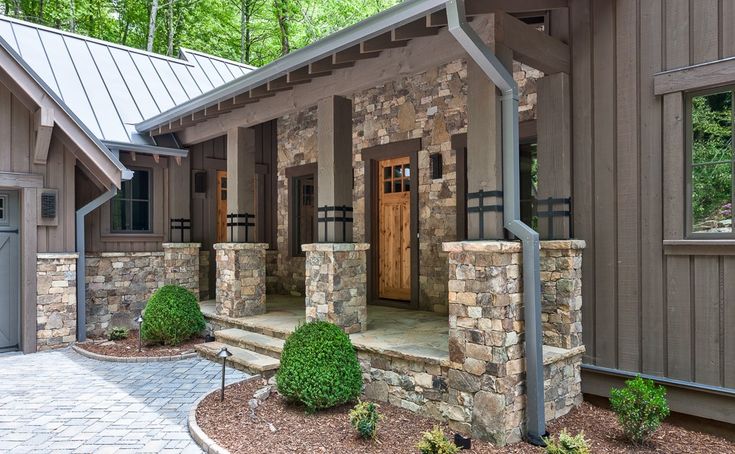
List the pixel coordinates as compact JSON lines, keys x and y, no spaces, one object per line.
{"x":319,"y":367}
{"x":172,"y":316}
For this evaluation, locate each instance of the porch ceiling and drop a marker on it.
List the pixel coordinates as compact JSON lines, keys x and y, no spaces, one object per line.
{"x":391,"y":29}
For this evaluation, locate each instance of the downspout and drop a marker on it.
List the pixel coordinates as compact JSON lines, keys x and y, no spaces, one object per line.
{"x":503,"y":79}
{"x":81,"y":266}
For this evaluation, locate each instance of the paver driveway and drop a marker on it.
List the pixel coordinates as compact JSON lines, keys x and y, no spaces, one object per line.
{"x":63,"y":402}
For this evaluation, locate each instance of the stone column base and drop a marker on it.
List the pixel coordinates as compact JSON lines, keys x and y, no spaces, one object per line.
{"x":181,"y":265}
{"x":336,"y":284}
{"x":56,"y":300}
{"x":240,"y":279}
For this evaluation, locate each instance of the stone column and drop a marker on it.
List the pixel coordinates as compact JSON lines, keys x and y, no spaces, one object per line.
{"x":336,"y":284}
{"x":240,"y":279}
{"x":485,"y":339}
{"x":181,"y":265}
{"x":561,"y":289}
{"x":56,"y":300}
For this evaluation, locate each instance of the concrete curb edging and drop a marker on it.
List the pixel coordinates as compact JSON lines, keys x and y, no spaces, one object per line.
{"x":200,"y":438}
{"x":132,"y":359}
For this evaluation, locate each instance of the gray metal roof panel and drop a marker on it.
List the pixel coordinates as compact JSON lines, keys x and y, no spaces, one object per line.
{"x":110,"y":87}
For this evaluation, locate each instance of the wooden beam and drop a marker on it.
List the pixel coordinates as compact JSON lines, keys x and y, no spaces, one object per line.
{"x":304,"y":75}
{"x":43,"y":126}
{"x":326,"y":64}
{"x":697,"y":77}
{"x":478,"y":7}
{"x":532,"y":46}
{"x":352,"y":54}
{"x":415,"y":29}
{"x":380,"y":42}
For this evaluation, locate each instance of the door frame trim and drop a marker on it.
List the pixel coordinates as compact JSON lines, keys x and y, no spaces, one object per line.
{"x":27,"y":185}
{"x":371,"y":156}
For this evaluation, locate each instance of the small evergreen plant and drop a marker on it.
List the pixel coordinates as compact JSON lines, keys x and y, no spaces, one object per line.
{"x":319,"y":367}
{"x":641,"y":406}
{"x":567,"y":444}
{"x":435,"y":442}
{"x":364,"y":417}
{"x":118,"y":333}
{"x":172,"y":316}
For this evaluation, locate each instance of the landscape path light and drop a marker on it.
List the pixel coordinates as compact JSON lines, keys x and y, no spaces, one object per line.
{"x":224,"y":354}
{"x":139,"y":321}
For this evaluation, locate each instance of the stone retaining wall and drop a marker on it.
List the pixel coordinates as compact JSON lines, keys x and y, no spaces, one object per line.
{"x":56,"y":299}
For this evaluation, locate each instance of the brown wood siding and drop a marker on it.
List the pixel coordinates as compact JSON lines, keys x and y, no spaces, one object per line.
{"x":646,"y":309}
{"x":58,"y":173}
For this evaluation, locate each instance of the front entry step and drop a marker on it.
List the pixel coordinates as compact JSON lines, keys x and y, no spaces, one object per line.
{"x":241,"y":359}
{"x":255,"y":342}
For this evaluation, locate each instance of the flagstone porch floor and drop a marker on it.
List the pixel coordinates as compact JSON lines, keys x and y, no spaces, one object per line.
{"x":406,"y":333}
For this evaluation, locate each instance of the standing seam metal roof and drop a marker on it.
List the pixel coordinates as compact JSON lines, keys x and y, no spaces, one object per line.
{"x":111,"y":87}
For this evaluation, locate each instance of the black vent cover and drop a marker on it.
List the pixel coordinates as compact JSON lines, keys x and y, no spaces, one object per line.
{"x":48,"y":205}
{"x":200,"y":182}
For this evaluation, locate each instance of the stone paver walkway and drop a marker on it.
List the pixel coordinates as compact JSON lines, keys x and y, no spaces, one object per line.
{"x":62,"y":402}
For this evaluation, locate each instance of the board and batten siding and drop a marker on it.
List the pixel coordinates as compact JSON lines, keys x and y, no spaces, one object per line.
{"x":667,"y":311}
{"x":16,"y":155}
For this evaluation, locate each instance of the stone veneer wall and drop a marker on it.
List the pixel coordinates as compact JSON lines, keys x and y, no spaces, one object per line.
{"x":240,"y":279}
{"x":56,"y":287}
{"x":118,"y":287}
{"x":204,"y":293}
{"x":561,"y":277}
{"x":297,"y":145}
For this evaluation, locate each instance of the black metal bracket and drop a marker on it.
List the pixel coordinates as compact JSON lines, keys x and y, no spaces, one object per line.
{"x":240,"y":220}
{"x":180,"y":224}
{"x":481,"y":208}
{"x":326,"y":219}
{"x":544,"y":208}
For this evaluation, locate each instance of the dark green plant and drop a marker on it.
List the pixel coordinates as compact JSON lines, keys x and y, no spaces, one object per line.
{"x":319,"y":367}
{"x":641,"y":406}
{"x":172,"y":316}
{"x":567,"y":444}
{"x":435,"y":442}
{"x":364,"y":417}
{"x":118,"y":333}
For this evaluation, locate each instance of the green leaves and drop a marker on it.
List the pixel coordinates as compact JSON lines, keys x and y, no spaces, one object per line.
{"x":641,"y":406}
{"x":567,"y":444}
{"x":172,"y":316}
{"x":435,"y":442}
{"x":364,"y":417}
{"x":319,"y":367}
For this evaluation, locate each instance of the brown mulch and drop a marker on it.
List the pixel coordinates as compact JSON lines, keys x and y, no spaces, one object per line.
{"x":231,"y":425}
{"x":128,"y":348}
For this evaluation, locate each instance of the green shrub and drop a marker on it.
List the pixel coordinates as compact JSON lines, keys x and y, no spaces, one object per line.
{"x":435,"y":442}
{"x":319,"y":367}
{"x":641,"y":406}
{"x":118,"y":333}
{"x":172,"y":316}
{"x":364,"y":418}
{"x":567,"y":444}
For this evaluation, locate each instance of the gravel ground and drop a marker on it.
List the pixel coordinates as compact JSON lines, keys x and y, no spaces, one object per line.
{"x":232,"y":426}
{"x":129,"y":347}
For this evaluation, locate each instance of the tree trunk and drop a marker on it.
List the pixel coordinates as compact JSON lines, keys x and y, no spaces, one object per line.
{"x":40,"y":11}
{"x":152,"y":25}
{"x":171,"y":28}
{"x":281,"y":10}
{"x":72,"y":12}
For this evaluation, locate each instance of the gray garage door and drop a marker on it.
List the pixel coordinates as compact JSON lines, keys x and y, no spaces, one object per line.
{"x":9,"y":272}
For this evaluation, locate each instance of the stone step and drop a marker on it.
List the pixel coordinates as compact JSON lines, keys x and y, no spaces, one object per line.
{"x":256,"y":342}
{"x":241,"y":359}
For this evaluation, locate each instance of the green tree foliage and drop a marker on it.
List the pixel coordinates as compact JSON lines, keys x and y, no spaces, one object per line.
{"x":252,"y":31}
{"x":641,"y":406}
{"x":712,"y":157}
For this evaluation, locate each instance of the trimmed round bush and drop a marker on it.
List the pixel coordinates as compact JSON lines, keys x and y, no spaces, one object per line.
{"x":319,"y":367}
{"x":172,"y":316}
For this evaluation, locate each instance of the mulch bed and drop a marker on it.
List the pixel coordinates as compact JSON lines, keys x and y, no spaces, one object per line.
{"x":231,"y":425}
{"x":128,"y":348}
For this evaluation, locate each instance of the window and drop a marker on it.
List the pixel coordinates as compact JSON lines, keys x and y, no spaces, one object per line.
{"x":304,"y":210}
{"x":397,"y":178}
{"x":131,"y":207}
{"x":710,"y":164}
{"x":3,"y":209}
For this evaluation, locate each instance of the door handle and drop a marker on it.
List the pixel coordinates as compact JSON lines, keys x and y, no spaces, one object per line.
{"x":8,"y":230}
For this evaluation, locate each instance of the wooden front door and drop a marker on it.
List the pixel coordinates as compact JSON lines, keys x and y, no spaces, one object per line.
{"x":394,"y":229}
{"x":221,"y":206}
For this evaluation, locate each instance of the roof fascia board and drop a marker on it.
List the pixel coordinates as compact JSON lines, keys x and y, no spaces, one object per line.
{"x":34,"y":87}
{"x":396,"y":16}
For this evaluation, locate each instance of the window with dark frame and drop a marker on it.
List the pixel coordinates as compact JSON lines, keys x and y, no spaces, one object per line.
{"x":130,"y":209}
{"x":304,"y":212}
{"x":710,"y":162}
{"x":3,"y":209}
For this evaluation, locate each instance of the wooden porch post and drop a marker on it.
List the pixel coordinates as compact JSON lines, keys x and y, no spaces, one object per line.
{"x":484,"y":149}
{"x":241,"y":178}
{"x":554,"y":153}
{"x":334,"y":123}
{"x":179,"y":171}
